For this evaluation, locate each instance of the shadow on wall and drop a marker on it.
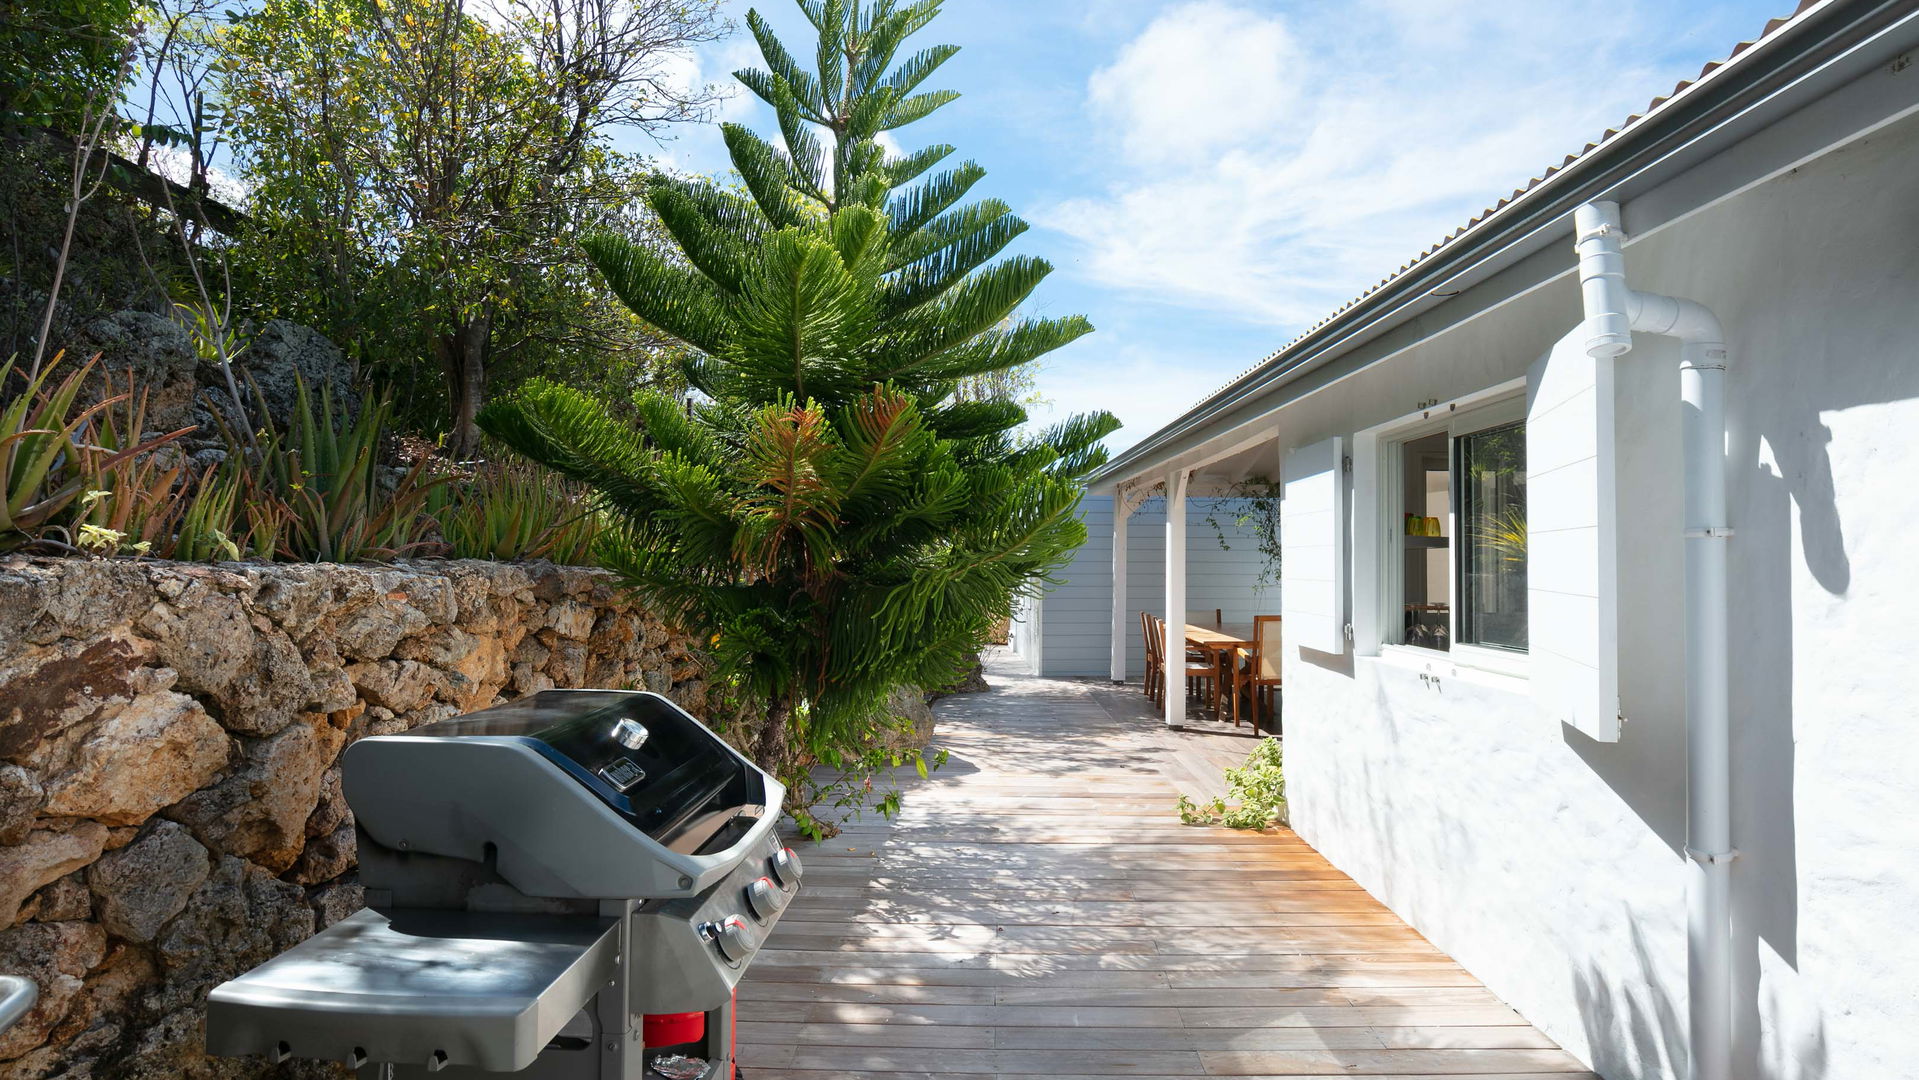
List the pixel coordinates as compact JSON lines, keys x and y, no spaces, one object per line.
{"x":1632,"y":1011}
{"x":1789,"y":373}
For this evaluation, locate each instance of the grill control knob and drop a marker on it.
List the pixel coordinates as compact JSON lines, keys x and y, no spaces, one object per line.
{"x":730,"y":938}
{"x":630,"y":733}
{"x":786,"y":868}
{"x":764,"y":899}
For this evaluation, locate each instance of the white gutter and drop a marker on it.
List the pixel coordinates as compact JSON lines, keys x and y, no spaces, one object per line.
{"x":1613,"y":312}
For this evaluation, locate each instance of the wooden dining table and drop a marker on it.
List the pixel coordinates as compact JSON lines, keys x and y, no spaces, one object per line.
{"x":1223,"y":637}
{"x":1218,"y":642}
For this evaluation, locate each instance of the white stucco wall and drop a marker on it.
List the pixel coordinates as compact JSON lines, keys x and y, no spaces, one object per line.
{"x":1552,"y":866}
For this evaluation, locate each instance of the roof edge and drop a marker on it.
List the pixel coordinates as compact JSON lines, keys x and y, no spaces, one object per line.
{"x":1725,"y":88}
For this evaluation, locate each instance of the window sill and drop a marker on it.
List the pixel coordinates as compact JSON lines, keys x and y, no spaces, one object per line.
{"x":1497,"y":671}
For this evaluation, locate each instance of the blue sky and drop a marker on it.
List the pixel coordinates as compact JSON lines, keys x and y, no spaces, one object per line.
{"x":1209,"y":177}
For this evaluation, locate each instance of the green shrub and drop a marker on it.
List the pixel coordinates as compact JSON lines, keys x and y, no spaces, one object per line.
{"x":1256,"y":790}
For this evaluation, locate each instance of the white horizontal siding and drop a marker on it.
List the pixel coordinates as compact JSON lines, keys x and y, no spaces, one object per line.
{"x":1076,"y":625}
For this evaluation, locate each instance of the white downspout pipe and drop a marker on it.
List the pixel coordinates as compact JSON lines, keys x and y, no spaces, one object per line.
{"x":1121,"y":516}
{"x":1613,"y":312}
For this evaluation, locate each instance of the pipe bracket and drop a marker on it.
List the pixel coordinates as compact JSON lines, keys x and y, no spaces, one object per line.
{"x":1712,"y":858}
{"x":1710,"y":532}
{"x":1600,"y":231}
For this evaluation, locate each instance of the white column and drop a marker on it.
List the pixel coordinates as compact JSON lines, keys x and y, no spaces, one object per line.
{"x":1121,"y":633}
{"x":1176,"y":598}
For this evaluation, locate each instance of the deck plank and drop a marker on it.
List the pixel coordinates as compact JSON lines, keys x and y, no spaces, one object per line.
{"x":1036,"y":909}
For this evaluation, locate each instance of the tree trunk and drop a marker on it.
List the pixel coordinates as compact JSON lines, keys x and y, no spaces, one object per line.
{"x":462,"y":355}
{"x":769,"y":749}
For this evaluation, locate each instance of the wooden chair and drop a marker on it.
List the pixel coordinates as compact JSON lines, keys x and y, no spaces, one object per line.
{"x":1153,"y":660}
{"x":1256,"y":671}
{"x":1198,"y":666}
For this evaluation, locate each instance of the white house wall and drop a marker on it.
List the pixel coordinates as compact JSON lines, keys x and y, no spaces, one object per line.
{"x":1552,"y":865}
{"x":1075,"y":623}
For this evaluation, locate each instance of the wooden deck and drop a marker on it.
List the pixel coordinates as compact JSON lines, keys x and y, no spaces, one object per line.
{"x":1037,"y":910}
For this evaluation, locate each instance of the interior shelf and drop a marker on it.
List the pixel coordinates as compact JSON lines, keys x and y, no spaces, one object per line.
{"x":1427,"y":541}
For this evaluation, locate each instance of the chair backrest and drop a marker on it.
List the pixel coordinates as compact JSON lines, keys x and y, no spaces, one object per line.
{"x":1148,"y":631}
{"x":1266,"y":646}
{"x":1219,"y":617}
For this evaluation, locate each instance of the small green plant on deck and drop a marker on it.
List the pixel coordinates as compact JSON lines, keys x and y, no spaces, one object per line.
{"x":1256,"y":790}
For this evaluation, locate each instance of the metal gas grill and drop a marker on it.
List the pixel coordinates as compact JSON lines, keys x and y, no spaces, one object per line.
{"x":568,"y":886}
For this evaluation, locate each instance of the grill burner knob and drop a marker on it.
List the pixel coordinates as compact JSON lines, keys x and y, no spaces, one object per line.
{"x":786,"y":868}
{"x":764,"y":899}
{"x":730,"y":938}
{"x":630,"y":733}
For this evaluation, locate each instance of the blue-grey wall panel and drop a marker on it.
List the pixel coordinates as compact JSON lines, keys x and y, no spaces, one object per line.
{"x":1076,"y":615}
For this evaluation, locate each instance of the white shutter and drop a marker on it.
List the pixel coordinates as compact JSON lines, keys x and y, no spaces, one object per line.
{"x":1312,"y":541}
{"x":1572,"y":539}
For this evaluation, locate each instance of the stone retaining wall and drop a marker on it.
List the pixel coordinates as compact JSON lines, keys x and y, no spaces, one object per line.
{"x":170,"y":806}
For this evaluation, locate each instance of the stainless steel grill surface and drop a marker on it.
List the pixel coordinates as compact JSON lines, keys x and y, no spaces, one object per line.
{"x":568,"y":886}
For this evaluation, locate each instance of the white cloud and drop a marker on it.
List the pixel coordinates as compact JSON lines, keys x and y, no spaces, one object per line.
{"x":1141,"y":385}
{"x":1274,"y":165}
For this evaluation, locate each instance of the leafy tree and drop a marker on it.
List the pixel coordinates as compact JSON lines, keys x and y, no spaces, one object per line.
{"x":420,"y":176}
{"x":58,"y":57}
{"x":827,"y":509}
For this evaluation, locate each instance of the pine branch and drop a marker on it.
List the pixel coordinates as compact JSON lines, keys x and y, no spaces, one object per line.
{"x":768,"y":175}
{"x":913,"y":208}
{"x":681,"y":302}
{"x":930,"y":277}
{"x":800,"y":84}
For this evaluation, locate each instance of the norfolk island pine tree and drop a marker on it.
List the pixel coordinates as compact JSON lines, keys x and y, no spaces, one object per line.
{"x":825,"y":511}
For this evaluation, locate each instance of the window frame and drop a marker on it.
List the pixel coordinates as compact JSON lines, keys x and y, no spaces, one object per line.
{"x":1495,"y":407}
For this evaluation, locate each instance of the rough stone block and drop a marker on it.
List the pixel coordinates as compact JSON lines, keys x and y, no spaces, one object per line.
{"x":47,"y":855}
{"x":327,"y":857}
{"x":571,"y":620}
{"x":148,"y":882}
{"x":261,"y":810}
{"x":144,"y":755}
{"x":57,"y":956}
{"x":53,"y":689}
{"x":21,"y":797}
{"x":400,"y":685}
{"x":336,"y":901}
{"x":65,"y":899}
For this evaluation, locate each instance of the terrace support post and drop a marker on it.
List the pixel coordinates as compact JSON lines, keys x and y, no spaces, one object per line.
{"x":1121,"y":516}
{"x":1175,"y":645}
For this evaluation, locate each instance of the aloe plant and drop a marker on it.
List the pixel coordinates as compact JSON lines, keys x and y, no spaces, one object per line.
{"x":317,"y":485}
{"x":508,"y":512}
{"x":49,"y":449}
{"x":131,"y":503}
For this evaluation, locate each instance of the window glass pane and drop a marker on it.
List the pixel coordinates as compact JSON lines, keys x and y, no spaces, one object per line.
{"x":1427,"y":573}
{"x":1492,"y":544}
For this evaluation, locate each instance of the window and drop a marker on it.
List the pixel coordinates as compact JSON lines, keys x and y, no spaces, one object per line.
{"x":1491,"y":474}
{"x":1426,"y":574}
{"x":1455,"y":493}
